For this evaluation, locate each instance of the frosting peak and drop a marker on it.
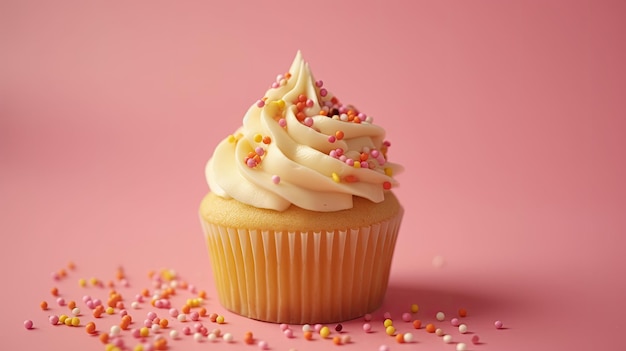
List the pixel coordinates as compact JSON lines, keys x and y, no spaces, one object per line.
{"x":300,"y":145}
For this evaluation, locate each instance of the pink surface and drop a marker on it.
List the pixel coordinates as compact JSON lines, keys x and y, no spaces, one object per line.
{"x":509,"y":118}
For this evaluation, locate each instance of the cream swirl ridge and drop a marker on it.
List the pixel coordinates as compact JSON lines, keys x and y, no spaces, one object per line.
{"x":300,"y":145}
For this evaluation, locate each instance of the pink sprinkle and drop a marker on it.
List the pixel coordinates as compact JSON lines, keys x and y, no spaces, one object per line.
{"x":263,"y":345}
{"x":151,"y":315}
{"x":361,"y":115}
{"x":318,"y":327}
{"x":498,"y":324}
{"x":55,"y":276}
{"x":319,"y":83}
{"x":386,"y":315}
{"x":475,"y":340}
{"x":135,"y":333}
{"x":86,"y":298}
{"x":333,"y":153}
{"x":148,"y":347}
{"x":259,"y":151}
{"x":119,"y":342}
{"x":197,"y":326}
{"x":375,"y":153}
{"x":124,"y":283}
{"x":308,"y":121}
{"x":381,"y":160}
{"x":61,"y":301}
{"x":367,"y":317}
{"x":123,"y":313}
{"x":157,"y":320}
{"x":97,"y":302}
{"x":275,"y":85}
{"x":386,"y":143}
{"x":339,"y":151}
{"x":349,"y":162}
{"x":283,"y":326}
{"x":406,"y":317}
{"x":28,"y":324}
{"x":158,"y":303}
{"x":251,"y":163}
{"x":331,"y":139}
{"x":54,"y":320}
{"x":139,"y":298}
{"x":173,"y":312}
{"x":282,"y":122}
{"x":309,"y":103}
{"x":275,"y":179}
{"x":186,"y":330}
{"x":203,"y":330}
{"x":147,"y":323}
{"x":90,"y":304}
{"x":364,"y":164}
{"x":383,"y":348}
{"x":367,"y":327}
{"x":192,"y":289}
{"x":343,"y":158}
{"x":323,"y":92}
{"x":260,"y":103}
{"x":288,"y":333}
{"x":194,"y":316}
{"x":455,"y":322}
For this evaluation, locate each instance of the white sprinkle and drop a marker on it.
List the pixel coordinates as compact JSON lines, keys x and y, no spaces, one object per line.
{"x":174,"y":334}
{"x":228,"y":337}
{"x":440,"y":316}
{"x":134,"y":305}
{"x":182,"y":317}
{"x":76,"y":311}
{"x":306,"y":328}
{"x":461,"y":346}
{"x":408,"y":337}
{"x":462,"y":328}
{"x":439,"y":332}
{"x":447,"y":338}
{"x":212,"y":337}
{"x":115,"y":330}
{"x":197,"y":337}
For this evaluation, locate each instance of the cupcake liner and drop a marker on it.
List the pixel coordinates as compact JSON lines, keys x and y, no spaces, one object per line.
{"x":302,"y":277}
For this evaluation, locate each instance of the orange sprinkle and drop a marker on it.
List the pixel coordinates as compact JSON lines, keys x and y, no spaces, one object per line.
{"x":119,"y":274}
{"x":400,"y":338}
{"x":43,"y":305}
{"x":54,"y":291}
{"x":90,"y":328}
{"x":213,"y":317}
{"x":417,"y":324}
{"x":97,"y":313}
{"x":104,"y":338}
{"x":71,"y":265}
{"x":323,"y":113}
{"x":124,"y":323}
{"x":364,"y":156}
{"x":462,"y":312}
{"x":145,"y":292}
{"x":62,"y":272}
{"x":308,"y":335}
{"x":164,"y":322}
{"x":287,"y":75}
{"x":71,"y":305}
{"x":160,"y":344}
{"x":267,"y":140}
{"x":202,"y":312}
{"x":183,"y":285}
{"x":300,"y":116}
{"x":430,"y":328}
{"x":151,"y":274}
{"x":337,"y":340}
{"x":356,"y":120}
{"x":300,"y":106}
{"x":350,"y":178}
{"x":339,"y":135}
{"x":110,"y":284}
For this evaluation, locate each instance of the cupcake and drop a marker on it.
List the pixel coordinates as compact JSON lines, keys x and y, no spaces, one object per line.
{"x":300,"y":219}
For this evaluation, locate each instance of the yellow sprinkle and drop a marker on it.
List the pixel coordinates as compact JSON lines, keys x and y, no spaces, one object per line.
{"x":62,"y":318}
{"x":138,"y":347}
{"x":75,"y":321}
{"x":220,"y":319}
{"x":324,"y":332}
{"x":82,"y":282}
{"x":280,"y":103}
{"x":144,"y":332}
{"x":388,"y":171}
{"x":390,"y":330}
{"x":109,"y":347}
{"x":357,"y":164}
{"x":93,"y":281}
{"x":336,"y":177}
{"x":68,"y":321}
{"x":231,"y":139}
{"x":388,"y":322}
{"x":258,"y":138}
{"x":414,"y":308}
{"x":110,"y":310}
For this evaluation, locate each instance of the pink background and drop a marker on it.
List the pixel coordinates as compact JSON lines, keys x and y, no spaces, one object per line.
{"x":509,"y":117}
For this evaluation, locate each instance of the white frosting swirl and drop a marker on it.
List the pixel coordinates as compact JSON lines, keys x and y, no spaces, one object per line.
{"x":300,"y":163}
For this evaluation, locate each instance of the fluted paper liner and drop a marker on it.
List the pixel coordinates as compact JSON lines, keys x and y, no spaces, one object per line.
{"x":302,"y":277}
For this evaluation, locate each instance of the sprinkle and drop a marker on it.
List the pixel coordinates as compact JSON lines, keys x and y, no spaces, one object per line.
{"x":475,"y":340}
{"x":335,"y":177}
{"x":308,"y":121}
{"x":417,"y":324}
{"x":324,"y":332}
{"x":76,"y":311}
{"x":197,"y":337}
{"x":228,"y":337}
{"x":447,"y":338}
{"x":408,"y":337}
{"x":439,"y":332}
{"x":288,"y":333}
{"x":462,"y":312}
{"x":462,"y":328}
{"x":110,"y":310}
{"x":339,"y":135}
{"x":90,"y":328}
{"x":182,"y":317}
{"x":28,"y":324}
{"x":282,"y":122}
{"x":260,"y":103}
{"x":258,"y":138}
{"x":263,"y":345}
{"x":386,"y":185}
{"x":54,"y":291}
{"x":461,"y":346}
{"x":211,"y":337}
{"x":308,"y":335}
{"x":406,"y":316}
{"x":400,"y":338}
{"x":383,"y":348}
{"x":367,"y":327}
{"x":388,"y":171}
{"x":498,"y":324}
{"x":61,"y":301}
{"x":143,"y":332}
{"x":220,"y":320}
{"x":323,"y":92}
{"x":43,"y":305}
{"x":248,"y":338}
{"x":338,"y":327}
{"x":82,"y":282}
{"x":390,"y":330}
{"x":440,"y":316}
{"x":387,"y":322}
{"x":430,"y":328}
{"x":455,"y":322}
{"x":266,"y":140}
{"x":337,"y":340}
{"x":319,"y":83}
{"x":331,"y":139}
{"x":306,"y":328}
{"x":115,"y":330}
{"x":54,"y":319}
{"x":345,"y":339}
